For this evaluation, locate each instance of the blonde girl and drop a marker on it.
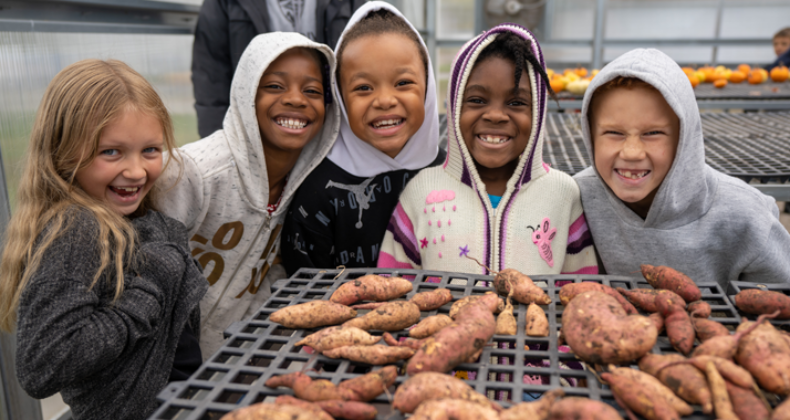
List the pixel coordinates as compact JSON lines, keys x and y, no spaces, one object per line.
{"x":98,"y":286}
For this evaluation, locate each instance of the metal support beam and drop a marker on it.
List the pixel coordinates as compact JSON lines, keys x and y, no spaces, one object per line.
{"x":109,"y":16}
{"x":430,"y":28}
{"x":717,"y":35}
{"x":600,"y":19}
{"x":480,"y":17}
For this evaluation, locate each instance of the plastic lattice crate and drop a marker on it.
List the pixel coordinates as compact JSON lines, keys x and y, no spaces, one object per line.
{"x":511,"y":369}
{"x":736,"y":287}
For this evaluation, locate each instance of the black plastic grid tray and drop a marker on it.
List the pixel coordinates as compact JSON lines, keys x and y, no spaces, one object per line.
{"x":735,"y":287}
{"x":752,"y":146}
{"x":258,"y":349}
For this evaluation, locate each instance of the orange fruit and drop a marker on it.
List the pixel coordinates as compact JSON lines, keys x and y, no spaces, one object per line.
{"x":688,"y":70}
{"x":708,"y":72}
{"x":557,"y":84}
{"x":737,"y":76}
{"x":580,"y":71}
{"x":780,"y":73}
{"x":755,"y":78}
{"x":720,"y":83}
{"x":744,"y":68}
{"x":763,"y":73}
{"x":694,"y":80}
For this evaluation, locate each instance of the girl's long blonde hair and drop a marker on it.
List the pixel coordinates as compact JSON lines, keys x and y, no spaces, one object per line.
{"x":78,"y":104}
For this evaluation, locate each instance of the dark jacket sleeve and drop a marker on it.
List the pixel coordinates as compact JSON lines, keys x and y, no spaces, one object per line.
{"x":66,"y":331}
{"x":337,"y":14}
{"x":783,"y":59}
{"x":224,"y":29}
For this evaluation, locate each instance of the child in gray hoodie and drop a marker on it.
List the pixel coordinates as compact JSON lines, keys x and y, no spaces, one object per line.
{"x":650,"y":198}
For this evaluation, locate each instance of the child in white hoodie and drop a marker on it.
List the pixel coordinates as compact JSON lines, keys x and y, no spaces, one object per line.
{"x":237,"y":182}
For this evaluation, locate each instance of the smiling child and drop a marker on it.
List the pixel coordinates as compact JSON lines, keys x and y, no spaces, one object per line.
{"x":494,"y":199}
{"x":650,"y":198}
{"x":238,"y":181}
{"x":389,"y":132}
{"x":99,"y":287}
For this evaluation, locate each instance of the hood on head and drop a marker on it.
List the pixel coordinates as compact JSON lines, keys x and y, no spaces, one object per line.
{"x":241,"y":122}
{"x":687,"y":190}
{"x":459,"y":161}
{"x":360,"y":158}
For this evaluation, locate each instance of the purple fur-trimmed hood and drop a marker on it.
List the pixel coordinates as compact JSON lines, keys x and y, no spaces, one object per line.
{"x":460,"y":163}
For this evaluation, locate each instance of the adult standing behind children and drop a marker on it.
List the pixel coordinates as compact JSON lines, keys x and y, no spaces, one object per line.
{"x":389,"y":132}
{"x":237,"y":182}
{"x":650,"y":198}
{"x":226,"y":27}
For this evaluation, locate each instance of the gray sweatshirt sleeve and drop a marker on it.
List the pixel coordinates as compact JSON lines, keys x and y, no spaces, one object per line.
{"x":66,"y":332}
{"x":772,"y":264}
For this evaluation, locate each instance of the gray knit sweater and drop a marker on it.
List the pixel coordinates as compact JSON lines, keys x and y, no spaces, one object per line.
{"x":107,"y":360}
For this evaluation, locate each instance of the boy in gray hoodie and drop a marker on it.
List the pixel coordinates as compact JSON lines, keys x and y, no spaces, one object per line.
{"x":650,"y":198}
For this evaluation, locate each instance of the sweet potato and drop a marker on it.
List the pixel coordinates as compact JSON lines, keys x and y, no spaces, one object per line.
{"x":535,"y":410}
{"x":338,"y":336}
{"x":453,"y":409}
{"x":758,"y":302}
{"x":524,"y":290}
{"x":371,"y":287}
{"x":460,"y":303}
{"x":718,"y":388}
{"x":537,"y":323}
{"x":432,"y":386}
{"x":434,"y":299}
{"x":746,"y":404}
{"x":579,"y":408}
{"x":725,"y":346}
{"x":430,"y":325}
{"x":708,"y":328}
{"x":309,"y":389}
{"x":317,"y":313}
{"x":654,"y":387}
{"x":308,"y":406}
{"x":684,"y":380}
{"x":662,"y":277}
{"x":393,"y":316}
{"x":506,"y":322}
{"x":372,"y":384}
{"x":454,"y":344}
{"x":376,"y":354}
{"x":729,"y":370}
{"x":677,"y":322}
{"x":598,"y":330}
{"x":782,"y":411}
{"x":644,"y":402}
{"x":699,"y":309}
{"x":349,"y":410}
{"x":657,"y":320}
{"x":643,"y":299}
{"x":571,"y":290}
{"x":266,"y":411}
{"x":764,"y":352}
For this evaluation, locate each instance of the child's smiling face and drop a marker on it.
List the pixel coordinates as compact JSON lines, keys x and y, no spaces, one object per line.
{"x":635,"y":137}
{"x":382,"y":80}
{"x":128,"y":162}
{"x":495,"y":121}
{"x":289,"y":103}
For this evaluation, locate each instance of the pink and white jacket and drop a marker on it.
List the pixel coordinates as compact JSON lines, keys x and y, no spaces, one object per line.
{"x":445,"y":214}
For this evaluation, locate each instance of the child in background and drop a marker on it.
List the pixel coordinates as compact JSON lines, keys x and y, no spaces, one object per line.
{"x":781,"y":42}
{"x":494,"y":199}
{"x":101,"y":288}
{"x":239,"y":180}
{"x":389,"y":132}
{"x":650,"y":198}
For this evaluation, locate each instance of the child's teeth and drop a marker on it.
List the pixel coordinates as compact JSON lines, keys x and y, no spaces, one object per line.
{"x":493,"y":139}
{"x":386,"y":123}
{"x":291,"y":123}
